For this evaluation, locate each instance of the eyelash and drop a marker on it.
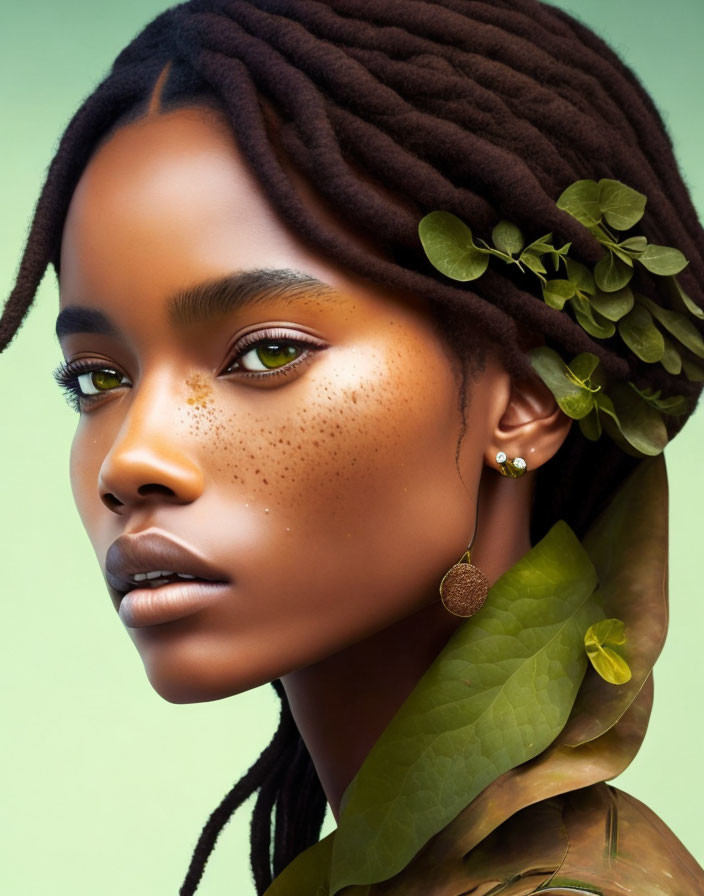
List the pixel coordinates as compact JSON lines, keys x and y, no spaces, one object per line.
{"x":67,"y":373}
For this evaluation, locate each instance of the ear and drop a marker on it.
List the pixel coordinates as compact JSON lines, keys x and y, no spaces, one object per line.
{"x":530,"y":425}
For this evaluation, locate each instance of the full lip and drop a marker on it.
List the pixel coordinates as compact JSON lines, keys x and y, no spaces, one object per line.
{"x":151,"y":550}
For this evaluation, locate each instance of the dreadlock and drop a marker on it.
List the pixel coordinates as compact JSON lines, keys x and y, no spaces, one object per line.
{"x":485,"y":108}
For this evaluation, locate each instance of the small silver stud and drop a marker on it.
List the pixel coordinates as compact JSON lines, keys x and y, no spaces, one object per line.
{"x":501,"y":457}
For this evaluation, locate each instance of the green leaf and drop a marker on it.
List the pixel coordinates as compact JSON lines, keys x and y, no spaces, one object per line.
{"x":622,"y":206}
{"x":641,"y":335}
{"x":694,"y":371}
{"x":612,"y":274}
{"x":591,"y":425}
{"x":663,"y":260}
{"x":556,"y":293}
{"x":498,"y":694}
{"x":634,"y":244}
{"x":686,"y":301}
{"x":580,"y":276}
{"x":673,"y":406}
{"x":613,"y":305}
{"x":574,"y":400}
{"x":581,"y":200}
{"x":590,"y":320}
{"x":678,"y":325}
{"x":448,"y":243}
{"x":507,"y":238}
{"x":639,"y":423}
{"x":671,"y":360}
{"x":600,"y":639}
{"x":583,"y":366}
{"x":542,"y":245}
{"x":308,"y":873}
{"x":533,"y":262}
{"x":624,"y":256}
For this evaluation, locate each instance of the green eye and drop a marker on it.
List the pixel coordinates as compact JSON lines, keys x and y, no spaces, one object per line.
{"x":97,"y":381}
{"x":271,"y":355}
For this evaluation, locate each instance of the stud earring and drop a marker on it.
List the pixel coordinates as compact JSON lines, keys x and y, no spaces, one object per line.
{"x":463,"y":588}
{"x":511,"y":468}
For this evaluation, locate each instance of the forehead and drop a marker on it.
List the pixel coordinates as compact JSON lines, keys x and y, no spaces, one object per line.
{"x":169,"y":201}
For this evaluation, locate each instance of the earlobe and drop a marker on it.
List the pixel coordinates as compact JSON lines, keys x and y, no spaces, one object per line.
{"x":531,"y":425}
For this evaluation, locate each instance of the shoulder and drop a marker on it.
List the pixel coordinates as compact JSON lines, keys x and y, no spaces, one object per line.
{"x":596,"y":840}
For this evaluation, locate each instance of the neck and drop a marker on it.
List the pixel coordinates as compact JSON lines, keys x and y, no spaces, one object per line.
{"x":343,"y":703}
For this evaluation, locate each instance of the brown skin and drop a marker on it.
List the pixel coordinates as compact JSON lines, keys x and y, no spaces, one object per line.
{"x":328,"y":492}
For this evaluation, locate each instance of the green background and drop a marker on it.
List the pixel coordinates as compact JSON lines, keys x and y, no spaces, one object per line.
{"x":106,"y":786}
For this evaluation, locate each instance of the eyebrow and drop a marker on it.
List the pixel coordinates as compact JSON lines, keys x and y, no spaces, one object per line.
{"x":212,"y":298}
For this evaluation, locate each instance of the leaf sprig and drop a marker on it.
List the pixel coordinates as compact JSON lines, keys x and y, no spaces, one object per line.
{"x":603,"y":302}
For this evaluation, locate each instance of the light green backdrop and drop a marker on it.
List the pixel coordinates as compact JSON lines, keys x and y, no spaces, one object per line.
{"x":105,"y":785}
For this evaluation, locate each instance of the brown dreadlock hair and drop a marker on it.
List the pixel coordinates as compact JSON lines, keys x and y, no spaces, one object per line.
{"x":485,"y":108}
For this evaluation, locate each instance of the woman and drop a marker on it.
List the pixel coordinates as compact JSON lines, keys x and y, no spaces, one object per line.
{"x":159,"y":178}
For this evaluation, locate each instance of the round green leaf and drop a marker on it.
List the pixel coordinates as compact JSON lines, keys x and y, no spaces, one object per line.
{"x":507,"y":238}
{"x":557,"y":292}
{"x":641,"y":335}
{"x":622,"y":206}
{"x":612,"y":305}
{"x":581,"y":200}
{"x":599,"y":642}
{"x":663,"y":260}
{"x":574,"y":400}
{"x":448,"y":243}
{"x":611,"y":273}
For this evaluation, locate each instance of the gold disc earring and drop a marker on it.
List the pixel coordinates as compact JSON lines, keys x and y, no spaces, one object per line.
{"x":463,"y":588}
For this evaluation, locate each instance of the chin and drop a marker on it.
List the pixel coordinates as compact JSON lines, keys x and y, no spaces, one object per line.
{"x":196,"y":670}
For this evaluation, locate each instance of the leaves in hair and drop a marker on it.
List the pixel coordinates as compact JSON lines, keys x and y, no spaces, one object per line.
{"x":601,"y":300}
{"x":500,"y":692}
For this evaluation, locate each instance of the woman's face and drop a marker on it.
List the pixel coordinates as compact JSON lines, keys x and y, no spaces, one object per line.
{"x":291,"y":444}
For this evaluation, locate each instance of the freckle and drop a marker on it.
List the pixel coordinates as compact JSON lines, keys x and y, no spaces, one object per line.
{"x":265,"y":482}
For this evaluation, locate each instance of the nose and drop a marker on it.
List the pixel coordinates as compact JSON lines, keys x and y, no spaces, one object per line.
{"x":148,"y":462}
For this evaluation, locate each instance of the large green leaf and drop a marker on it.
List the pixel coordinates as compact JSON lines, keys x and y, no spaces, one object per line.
{"x":622,"y":206}
{"x":308,"y":874}
{"x":448,"y":243}
{"x":459,"y":849}
{"x":498,"y":694}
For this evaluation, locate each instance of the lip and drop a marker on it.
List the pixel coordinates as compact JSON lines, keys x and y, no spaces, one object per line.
{"x":151,"y":550}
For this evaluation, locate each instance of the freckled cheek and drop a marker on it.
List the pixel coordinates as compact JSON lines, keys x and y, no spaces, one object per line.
{"x":347,"y":430}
